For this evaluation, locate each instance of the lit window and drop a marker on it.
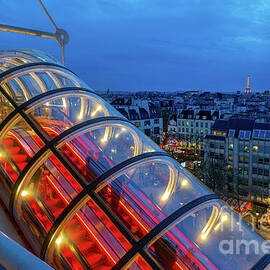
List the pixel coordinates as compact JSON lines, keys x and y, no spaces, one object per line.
{"x":221,"y":133}
{"x":256,"y":134}
{"x":241,"y":134}
{"x":255,"y":148}
{"x":262,"y":134}
{"x":231,"y":133}
{"x":137,"y":124}
{"x":247,"y":135}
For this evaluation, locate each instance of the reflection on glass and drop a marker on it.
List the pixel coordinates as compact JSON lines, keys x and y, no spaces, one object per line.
{"x":43,"y":195}
{"x":140,"y":263}
{"x":196,"y":241}
{"x":61,"y":111}
{"x":140,"y":195}
{"x":12,"y":58}
{"x":18,"y":145}
{"x":5,"y":108}
{"x":89,"y":240}
{"x":95,"y":149}
{"x":146,"y":192}
{"x":27,"y":83}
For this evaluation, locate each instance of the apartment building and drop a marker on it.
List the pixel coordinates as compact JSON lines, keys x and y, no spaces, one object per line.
{"x":144,"y":114}
{"x":190,"y":126}
{"x":241,"y":149}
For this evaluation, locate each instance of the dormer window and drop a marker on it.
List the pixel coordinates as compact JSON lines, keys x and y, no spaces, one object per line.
{"x":231,"y":133}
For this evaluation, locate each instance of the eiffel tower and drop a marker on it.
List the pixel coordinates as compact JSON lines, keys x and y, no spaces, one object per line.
{"x":248,"y":90}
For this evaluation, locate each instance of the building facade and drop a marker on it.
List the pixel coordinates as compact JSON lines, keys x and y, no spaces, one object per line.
{"x":143,"y":114}
{"x":191,"y":126}
{"x":240,"y":149}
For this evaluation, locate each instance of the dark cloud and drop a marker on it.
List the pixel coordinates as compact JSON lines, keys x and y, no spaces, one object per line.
{"x":153,"y":44}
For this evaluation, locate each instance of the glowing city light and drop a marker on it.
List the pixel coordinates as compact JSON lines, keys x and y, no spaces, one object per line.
{"x":24,"y":193}
{"x":184,"y":183}
{"x":99,"y":108}
{"x":58,"y":241}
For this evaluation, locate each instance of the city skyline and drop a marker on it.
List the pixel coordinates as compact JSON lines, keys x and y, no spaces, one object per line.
{"x":133,"y":45}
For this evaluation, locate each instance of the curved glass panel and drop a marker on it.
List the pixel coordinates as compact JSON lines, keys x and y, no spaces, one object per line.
{"x":210,"y":236}
{"x":59,"y":112}
{"x":5,"y":108}
{"x":42,"y":196}
{"x":88,"y":240}
{"x":140,"y":263}
{"x":139,"y":196}
{"x":146,"y":192}
{"x":12,"y":58}
{"x":95,"y":149}
{"x":26,"y":83}
{"x":18,"y":144}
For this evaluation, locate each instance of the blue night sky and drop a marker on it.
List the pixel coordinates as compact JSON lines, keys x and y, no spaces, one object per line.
{"x":165,"y":45}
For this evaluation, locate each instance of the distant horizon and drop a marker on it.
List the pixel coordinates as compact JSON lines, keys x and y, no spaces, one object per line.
{"x":183,"y":91}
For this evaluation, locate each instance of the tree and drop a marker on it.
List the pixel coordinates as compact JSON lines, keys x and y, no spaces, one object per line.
{"x":215,"y":175}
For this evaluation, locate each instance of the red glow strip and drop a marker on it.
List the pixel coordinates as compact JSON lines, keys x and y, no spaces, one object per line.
{"x":13,"y":180}
{"x":76,"y":154}
{"x":140,"y":203}
{"x":177,"y":263}
{"x":97,"y":150}
{"x":51,"y":129}
{"x":171,"y":235}
{"x":134,"y":216}
{"x":77,"y":142}
{"x":21,"y":143}
{"x":109,"y":161}
{"x":67,"y":144}
{"x":181,"y":235}
{"x":60,"y":193}
{"x":58,"y":190}
{"x":83,"y":144}
{"x":95,"y":238}
{"x":81,"y":141}
{"x":157,"y":221}
{"x":188,"y":253}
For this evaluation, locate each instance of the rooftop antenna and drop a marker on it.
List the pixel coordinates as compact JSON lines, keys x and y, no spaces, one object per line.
{"x":60,"y":35}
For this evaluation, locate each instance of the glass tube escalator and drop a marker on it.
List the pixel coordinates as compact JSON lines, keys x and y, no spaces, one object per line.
{"x":90,"y":191}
